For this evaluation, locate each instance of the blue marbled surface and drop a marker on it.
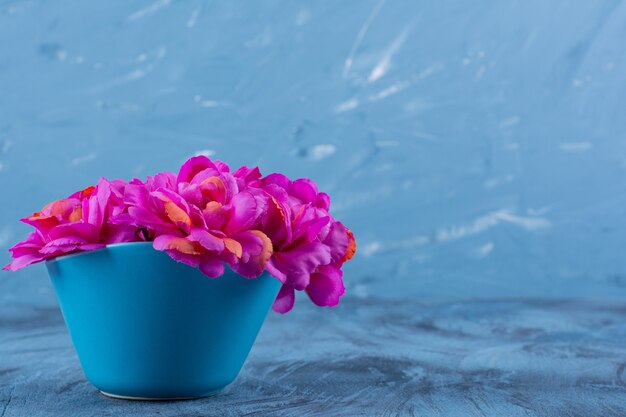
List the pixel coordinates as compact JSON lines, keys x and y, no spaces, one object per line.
{"x":374,"y":357}
{"x":477,"y":149}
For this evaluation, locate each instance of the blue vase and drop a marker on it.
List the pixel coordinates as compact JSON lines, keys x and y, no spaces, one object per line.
{"x":147,"y":327}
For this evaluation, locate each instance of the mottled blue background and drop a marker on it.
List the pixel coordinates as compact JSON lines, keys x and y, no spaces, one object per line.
{"x":475,"y":148}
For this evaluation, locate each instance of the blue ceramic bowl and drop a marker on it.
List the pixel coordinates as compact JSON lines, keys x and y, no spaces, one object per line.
{"x":147,"y":327}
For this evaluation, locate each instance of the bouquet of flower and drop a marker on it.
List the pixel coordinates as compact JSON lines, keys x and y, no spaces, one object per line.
{"x":206,"y":216}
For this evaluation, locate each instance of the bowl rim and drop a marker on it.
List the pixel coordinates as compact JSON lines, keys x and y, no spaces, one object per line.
{"x":86,"y":252}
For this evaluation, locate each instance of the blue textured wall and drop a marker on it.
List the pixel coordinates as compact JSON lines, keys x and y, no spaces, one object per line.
{"x":476,"y":148}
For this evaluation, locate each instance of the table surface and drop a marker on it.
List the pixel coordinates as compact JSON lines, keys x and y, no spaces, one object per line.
{"x":369,"y":357}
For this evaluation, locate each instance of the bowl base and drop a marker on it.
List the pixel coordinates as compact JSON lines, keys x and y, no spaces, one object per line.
{"x":125,"y":397}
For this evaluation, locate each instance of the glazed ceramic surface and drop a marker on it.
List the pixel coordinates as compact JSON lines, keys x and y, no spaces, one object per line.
{"x":145,"y":326}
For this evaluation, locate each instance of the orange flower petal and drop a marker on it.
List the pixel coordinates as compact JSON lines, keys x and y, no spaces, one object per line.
{"x":233,"y":247}
{"x":268,"y":249}
{"x":351,"y":247}
{"x":176,"y":214}
{"x":183,"y":245}
{"x":279,"y":208}
{"x":59,"y":207}
{"x":87,"y":192}
{"x":214,"y":188}
{"x":41,"y":221}
{"x":76,"y":214}
{"x":212,"y":207}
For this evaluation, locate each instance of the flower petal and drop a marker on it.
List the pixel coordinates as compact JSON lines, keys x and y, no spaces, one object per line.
{"x":84,"y":193}
{"x":174,"y":207}
{"x":304,"y":189}
{"x":337,"y":240}
{"x":299,"y":262}
{"x":62,"y":245}
{"x":179,"y":249}
{"x":246,"y":176}
{"x":31,"y":245}
{"x":285,"y":299}
{"x":94,"y":208}
{"x":215,"y":215}
{"x":278,"y":179}
{"x":193,"y":167}
{"x":191,"y":260}
{"x":221,"y":166}
{"x":207,"y":240}
{"x":42,"y":222}
{"x":326,"y":286}
{"x":277,"y":222}
{"x":177,"y":243}
{"x":212,"y":267}
{"x":24,"y":261}
{"x":244,"y":213}
{"x":351,"y":247}
{"x":323,"y":201}
{"x":119,"y":233}
{"x":275,"y":272}
{"x":308,"y":223}
{"x":257,"y":249}
{"x":61,"y":208}
{"x":233,"y":247}
{"x":88,"y":233}
{"x":162,"y":180}
{"x":146,"y":218}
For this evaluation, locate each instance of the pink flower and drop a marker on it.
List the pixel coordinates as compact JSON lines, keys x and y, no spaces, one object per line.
{"x":204,"y":216}
{"x":309,"y":245}
{"x":207,"y":217}
{"x":77,"y":223}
